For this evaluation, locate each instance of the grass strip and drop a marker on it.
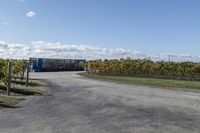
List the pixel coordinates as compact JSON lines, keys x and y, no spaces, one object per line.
{"x":23,"y":90}
{"x":30,"y":83}
{"x":9,"y":101}
{"x":148,"y":81}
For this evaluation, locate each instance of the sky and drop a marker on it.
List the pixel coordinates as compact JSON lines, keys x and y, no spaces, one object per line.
{"x":100,"y":28}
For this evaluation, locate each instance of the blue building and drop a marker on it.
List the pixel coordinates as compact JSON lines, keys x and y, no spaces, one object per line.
{"x":50,"y":65}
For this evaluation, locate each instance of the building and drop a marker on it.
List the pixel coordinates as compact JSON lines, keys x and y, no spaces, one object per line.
{"x":52,"y":65}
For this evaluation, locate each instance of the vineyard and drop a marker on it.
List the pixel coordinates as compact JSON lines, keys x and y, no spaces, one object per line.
{"x":17,"y":70}
{"x":16,"y":83}
{"x":145,"y":68}
{"x":11,"y":71}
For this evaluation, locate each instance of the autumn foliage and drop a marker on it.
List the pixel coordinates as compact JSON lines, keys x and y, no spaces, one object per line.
{"x":145,"y":68}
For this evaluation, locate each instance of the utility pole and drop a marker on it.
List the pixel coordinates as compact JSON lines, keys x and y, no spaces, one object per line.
{"x":27,"y":74}
{"x":9,"y":77}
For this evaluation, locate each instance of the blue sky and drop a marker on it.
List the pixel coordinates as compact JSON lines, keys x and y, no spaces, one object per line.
{"x":149,"y":26}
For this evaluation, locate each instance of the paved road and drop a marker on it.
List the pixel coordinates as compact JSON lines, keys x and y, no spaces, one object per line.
{"x":80,"y":105}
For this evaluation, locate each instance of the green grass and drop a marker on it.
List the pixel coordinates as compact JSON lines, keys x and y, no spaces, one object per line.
{"x":23,"y":90}
{"x":148,"y":81}
{"x":30,"y":83}
{"x":9,"y":101}
{"x":19,"y":88}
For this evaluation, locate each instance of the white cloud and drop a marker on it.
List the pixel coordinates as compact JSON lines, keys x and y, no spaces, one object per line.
{"x":175,"y":55}
{"x":4,"y":23}
{"x":178,"y":57}
{"x":10,"y":50}
{"x":30,"y":14}
{"x":60,"y":50}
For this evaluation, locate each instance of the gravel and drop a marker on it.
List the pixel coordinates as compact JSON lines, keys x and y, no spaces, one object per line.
{"x":77,"y":104}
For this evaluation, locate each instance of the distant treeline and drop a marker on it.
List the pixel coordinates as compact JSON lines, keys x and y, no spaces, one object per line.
{"x":145,"y":68}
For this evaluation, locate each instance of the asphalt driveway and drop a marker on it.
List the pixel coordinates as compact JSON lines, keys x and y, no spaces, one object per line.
{"x":77,"y":104}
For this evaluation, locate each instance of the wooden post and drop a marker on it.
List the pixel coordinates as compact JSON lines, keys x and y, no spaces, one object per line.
{"x":9,"y":77}
{"x":27,"y":75}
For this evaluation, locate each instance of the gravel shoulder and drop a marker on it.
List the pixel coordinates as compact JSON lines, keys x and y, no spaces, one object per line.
{"x":78,"y":104}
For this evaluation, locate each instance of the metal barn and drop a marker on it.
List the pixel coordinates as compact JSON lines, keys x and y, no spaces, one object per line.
{"x":51,"y":65}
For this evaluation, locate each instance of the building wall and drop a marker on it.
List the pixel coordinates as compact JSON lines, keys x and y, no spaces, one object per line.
{"x":49,"y":65}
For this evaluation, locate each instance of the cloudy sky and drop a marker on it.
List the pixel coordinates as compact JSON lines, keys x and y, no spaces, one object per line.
{"x":91,"y":29}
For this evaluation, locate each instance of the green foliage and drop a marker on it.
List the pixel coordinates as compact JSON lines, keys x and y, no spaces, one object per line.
{"x":3,"y":70}
{"x":145,"y":68}
{"x":18,"y":69}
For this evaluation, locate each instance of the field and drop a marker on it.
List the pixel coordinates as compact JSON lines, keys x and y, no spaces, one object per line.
{"x":148,"y":81}
{"x":145,"y":68}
